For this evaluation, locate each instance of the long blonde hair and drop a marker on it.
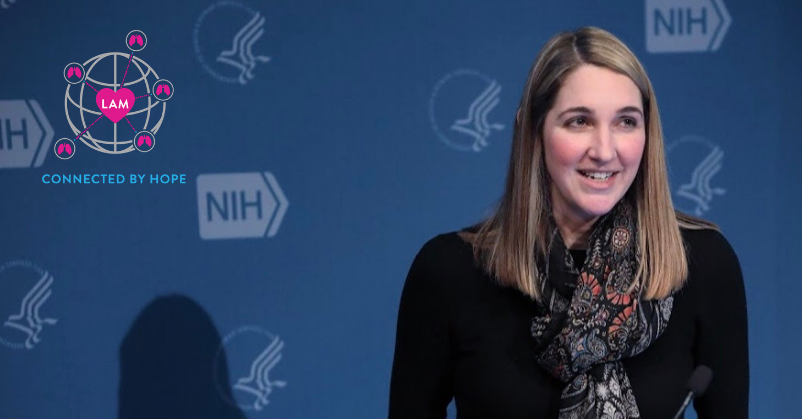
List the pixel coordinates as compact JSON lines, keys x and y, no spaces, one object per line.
{"x":507,"y":242}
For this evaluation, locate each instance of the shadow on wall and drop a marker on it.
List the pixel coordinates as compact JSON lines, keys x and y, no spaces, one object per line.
{"x":167,"y":365}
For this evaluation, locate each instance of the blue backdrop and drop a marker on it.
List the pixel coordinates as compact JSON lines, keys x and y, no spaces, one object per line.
{"x":321,"y":145}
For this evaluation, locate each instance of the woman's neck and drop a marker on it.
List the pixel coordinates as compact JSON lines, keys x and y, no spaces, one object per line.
{"x":575,"y":232}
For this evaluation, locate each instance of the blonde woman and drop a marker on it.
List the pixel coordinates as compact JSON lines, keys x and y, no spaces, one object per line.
{"x":585,"y":294}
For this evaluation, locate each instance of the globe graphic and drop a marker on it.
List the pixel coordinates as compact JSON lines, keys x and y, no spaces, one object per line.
{"x":124,"y":142}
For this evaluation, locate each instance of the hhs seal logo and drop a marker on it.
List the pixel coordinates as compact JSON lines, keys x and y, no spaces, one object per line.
{"x":225,"y":38}
{"x":253,"y":353}
{"x":459,"y":109}
{"x":694,"y":162}
{"x":26,"y":289}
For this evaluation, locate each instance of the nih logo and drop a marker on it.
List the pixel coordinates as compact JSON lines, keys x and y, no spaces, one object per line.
{"x":25,"y":134}
{"x":239,"y":205}
{"x":685,"y":25}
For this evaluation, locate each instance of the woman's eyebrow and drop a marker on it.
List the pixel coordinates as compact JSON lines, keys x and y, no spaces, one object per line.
{"x":628,"y":109}
{"x":576,"y":109}
{"x":586,"y":110}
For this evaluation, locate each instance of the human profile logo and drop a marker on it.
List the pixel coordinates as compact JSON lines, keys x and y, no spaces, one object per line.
{"x":253,"y":353}
{"x":26,"y":288}
{"x":460,"y":107}
{"x":115,"y":101}
{"x":694,"y":162}
{"x":225,"y":40}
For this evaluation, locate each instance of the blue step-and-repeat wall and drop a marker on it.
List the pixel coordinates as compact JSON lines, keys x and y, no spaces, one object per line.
{"x":235,"y":245}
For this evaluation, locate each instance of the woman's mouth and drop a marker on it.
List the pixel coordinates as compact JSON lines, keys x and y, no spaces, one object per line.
{"x":597,"y":176}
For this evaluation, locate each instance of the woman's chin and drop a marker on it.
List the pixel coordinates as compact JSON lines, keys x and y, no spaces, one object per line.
{"x":596,"y":208}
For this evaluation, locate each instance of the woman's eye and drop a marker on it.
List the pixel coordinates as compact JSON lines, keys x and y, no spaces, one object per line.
{"x":578,"y":122}
{"x":630,"y":122}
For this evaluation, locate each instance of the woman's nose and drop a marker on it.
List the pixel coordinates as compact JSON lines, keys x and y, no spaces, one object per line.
{"x":602,"y":147}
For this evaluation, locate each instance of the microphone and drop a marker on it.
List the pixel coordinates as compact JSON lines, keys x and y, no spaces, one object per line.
{"x":697,"y":385}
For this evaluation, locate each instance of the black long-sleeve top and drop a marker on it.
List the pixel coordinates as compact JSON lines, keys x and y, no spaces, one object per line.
{"x":461,"y":335}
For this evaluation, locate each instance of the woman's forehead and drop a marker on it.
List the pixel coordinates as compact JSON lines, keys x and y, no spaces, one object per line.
{"x":597,"y":89}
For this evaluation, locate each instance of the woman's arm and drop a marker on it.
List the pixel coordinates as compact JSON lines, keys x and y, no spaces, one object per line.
{"x":420,"y":386}
{"x":722,"y":342}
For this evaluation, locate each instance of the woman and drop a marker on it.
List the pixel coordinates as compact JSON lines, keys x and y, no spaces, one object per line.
{"x":585,"y":295}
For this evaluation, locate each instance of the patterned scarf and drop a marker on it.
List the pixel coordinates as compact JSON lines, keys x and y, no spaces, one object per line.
{"x":589,"y":322}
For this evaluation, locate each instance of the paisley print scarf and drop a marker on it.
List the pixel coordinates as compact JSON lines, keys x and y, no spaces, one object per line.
{"x":589,"y":320}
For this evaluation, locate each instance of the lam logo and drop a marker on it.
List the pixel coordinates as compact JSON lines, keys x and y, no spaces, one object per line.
{"x":229,"y":58}
{"x":253,"y":354}
{"x":694,"y":162}
{"x":27,"y":288}
{"x":685,"y":25}
{"x":25,"y":134}
{"x":240,"y":205}
{"x":459,"y":109}
{"x":115,"y":101}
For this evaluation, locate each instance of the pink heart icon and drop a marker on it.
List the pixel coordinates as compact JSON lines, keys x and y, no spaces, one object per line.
{"x":115,"y":105}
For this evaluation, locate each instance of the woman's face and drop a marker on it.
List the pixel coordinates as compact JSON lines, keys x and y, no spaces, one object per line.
{"x":594,"y":137}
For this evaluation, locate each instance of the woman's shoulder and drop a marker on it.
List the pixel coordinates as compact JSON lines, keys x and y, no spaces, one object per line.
{"x":705,"y":244}
{"x":712,"y":261}
{"x":442,"y":265}
{"x":446,"y":247}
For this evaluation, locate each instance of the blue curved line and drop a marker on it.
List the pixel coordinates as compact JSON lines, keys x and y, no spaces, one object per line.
{"x":252,"y":374}
{"x":272,"y":351}
{"x":490,"y":103}
{"x":694,"y":182}
{"x":28,"y":296}
{"x":714,"y":168}
{"x":477,"y":119}
{"x":246,"y":38}
{"x":493,"y":101}
{"x":486,"y":112}
{"x":231,"y":62}
{"x":693,"y":197}
{"x":238,"y":36}
{"x":699,"y":175}
{"x":32,"y":304}
{"x":468,"y":131}
{"x":36,"y":316}
{"x":472,"y":108}
{"x":248,"y":64}
{"x":248,"y":55}
{"x":710,"y":166}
